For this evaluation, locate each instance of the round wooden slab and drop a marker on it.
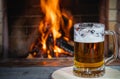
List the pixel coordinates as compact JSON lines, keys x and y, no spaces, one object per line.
{"x":66,"y":73}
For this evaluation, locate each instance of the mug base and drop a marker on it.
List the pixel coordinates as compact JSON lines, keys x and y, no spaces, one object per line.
{"x":89,"y":72}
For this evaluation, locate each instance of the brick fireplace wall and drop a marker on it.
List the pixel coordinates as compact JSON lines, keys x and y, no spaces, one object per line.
{"x":1,"y":26}
{"x":112,"y":20}
{"x":118,"y":24}
{"x":112,"y":14}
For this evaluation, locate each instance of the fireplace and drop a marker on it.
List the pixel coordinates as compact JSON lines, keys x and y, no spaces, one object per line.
{"x":23,"y":21}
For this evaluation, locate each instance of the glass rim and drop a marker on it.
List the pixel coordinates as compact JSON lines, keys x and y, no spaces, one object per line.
{"x":92,"y":23}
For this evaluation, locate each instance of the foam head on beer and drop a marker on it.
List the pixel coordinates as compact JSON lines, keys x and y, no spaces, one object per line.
{"x":89,"y":32}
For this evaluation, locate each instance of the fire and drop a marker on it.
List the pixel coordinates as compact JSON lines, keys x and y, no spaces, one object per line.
{"x":53,"y":18}
{"x":52,"y":24}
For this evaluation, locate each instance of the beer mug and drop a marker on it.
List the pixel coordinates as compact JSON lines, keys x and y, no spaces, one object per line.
{"x":89,"y":59}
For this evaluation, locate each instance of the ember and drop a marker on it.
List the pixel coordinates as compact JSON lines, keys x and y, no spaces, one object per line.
{"x":54,"y":32}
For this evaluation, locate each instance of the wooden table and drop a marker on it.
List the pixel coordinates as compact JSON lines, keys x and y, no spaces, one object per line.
{"x":36,"y":68}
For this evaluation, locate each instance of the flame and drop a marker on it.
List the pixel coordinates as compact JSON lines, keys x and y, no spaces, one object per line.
{"x":67,"y":28}
{"x":49,"y":56}
{"x":51,"y":22}
{"x":58,"y":50}
{"x":50,"y":26}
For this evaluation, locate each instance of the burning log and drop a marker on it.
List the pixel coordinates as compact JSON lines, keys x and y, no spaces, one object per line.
{"x":53,"y":29}
{"x":65,"y":46}
{"x":36,"y":50}
{"x":50,"y":46}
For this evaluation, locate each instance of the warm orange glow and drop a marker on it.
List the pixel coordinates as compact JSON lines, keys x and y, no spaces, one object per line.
{"x":51,"y":24}
{"x":69,"y":17}
{"x":52,"y":17}
{"x":50,"y":27}
{"x":58,"y":50}
{"x":49,"y":56}
{"x":34,"y":53}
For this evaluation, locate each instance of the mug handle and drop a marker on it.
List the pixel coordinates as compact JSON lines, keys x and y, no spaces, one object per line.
{"x":115,"y":45}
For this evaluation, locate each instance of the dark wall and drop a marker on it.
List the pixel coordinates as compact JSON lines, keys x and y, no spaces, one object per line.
{"x":74,"y":6}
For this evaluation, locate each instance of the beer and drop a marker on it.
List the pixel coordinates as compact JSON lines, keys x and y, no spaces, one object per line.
{"x":88,"y":50}
{"x":88,"y":56}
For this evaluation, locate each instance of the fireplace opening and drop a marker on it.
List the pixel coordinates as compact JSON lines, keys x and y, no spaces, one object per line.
{"x":24,"y":23}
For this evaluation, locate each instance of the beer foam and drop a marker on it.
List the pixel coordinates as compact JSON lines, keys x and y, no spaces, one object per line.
{"x":89,"y":32}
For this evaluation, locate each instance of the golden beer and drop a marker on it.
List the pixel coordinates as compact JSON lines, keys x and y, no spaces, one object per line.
{"x":88,"y":50}
{"x":88,"y":58}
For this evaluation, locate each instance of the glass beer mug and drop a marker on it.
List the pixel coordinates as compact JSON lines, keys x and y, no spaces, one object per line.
{"x":89,"y":60}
